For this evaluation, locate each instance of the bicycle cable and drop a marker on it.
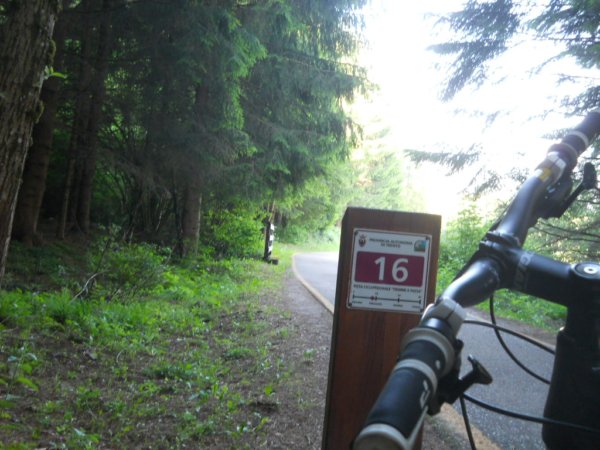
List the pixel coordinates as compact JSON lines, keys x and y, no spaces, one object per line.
{"x":513,"y":414}
{"x":527,"y":417}
{"x":497,"y":329}
{"x":463,"y":407}
{"x":509,"y":331}
{"x":512,"y":356}
{"x":516,"y":415}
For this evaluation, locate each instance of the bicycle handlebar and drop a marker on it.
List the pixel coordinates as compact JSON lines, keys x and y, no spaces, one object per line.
{"x":430,"y":350}
{"x":427,"y":354}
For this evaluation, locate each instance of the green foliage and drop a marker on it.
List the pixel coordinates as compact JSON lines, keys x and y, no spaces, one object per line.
{"x":324,"y":240}
{"x":295,"y":140}
{"x":313,"y":210}
{"x":535,"y":311}
{"x":18,"y":371}
{"x":235,"y":231}
{"x":238,"y":102}
{"x":453,"y":161}
{"x":483,"y":31}
{"x":572,"y":238}
{"x":54,"y":264}
{"x":90,"y":371}
{"x":125,"y":271}
{"x":460,"y":240}
{"x":576,"y":22}
{"x":108,"y":204}
{"x":377,"y":179}
{"x":381,"y":182}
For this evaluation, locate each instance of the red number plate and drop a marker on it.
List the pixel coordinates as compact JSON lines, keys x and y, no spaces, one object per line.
{"x":387,"y":268}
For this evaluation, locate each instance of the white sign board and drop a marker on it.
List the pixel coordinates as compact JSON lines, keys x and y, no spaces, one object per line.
{"x":389,"y":271}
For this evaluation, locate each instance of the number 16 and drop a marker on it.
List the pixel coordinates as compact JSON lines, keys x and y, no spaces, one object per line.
{"x":399,"y":272}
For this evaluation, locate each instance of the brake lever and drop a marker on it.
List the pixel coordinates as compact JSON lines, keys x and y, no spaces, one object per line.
{"x":451,"y":386}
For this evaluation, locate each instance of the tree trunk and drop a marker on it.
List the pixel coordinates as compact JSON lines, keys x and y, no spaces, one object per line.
{"x":89,"y":152}
{"x":24,"y":54}
{"x":35,"y":173}
{"x":190,"y":220}
{"x":80,"y":122}
{"x":179,"y":247}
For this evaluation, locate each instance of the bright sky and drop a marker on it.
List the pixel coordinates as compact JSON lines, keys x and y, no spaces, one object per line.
{"x":410,"y":84}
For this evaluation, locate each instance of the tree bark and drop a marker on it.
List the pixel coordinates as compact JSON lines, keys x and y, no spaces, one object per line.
{"x":192,"y":195}
{"x":35,"y":173}
{"x":79,"y":126}
{"x":98,"y":95}
{"x":190,"y":220}
{"x":24,"y":54}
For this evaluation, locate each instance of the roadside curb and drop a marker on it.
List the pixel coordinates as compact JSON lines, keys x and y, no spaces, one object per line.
{"x":316,"y":294}
{"x":452,"y":423}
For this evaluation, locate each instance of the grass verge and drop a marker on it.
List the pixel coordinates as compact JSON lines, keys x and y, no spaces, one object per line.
{"x":185,"y":361}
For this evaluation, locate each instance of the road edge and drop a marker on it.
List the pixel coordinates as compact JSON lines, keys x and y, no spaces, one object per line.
{"x":316,"y":294}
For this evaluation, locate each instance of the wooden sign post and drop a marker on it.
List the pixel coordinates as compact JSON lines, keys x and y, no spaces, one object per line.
{"x":386,"y":277}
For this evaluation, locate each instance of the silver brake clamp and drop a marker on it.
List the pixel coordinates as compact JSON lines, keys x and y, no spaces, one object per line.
{"x":448,"y":310}
{"x":553,"y":166}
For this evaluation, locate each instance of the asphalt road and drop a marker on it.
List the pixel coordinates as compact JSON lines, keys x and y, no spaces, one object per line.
{"x":512,"y":388}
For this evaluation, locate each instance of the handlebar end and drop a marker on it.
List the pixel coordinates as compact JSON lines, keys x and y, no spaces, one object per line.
{"x":380,"y":436}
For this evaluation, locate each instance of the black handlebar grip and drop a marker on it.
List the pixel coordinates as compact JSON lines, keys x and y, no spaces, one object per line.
{"x":580,"y":137}
{"x":395,"y":419}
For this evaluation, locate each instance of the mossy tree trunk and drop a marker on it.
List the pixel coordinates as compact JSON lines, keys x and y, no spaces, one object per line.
{"x":35,"y":173}
{"x":24,"y":54}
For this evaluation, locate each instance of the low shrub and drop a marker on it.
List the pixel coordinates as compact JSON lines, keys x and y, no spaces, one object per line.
{"x":234,"y":232}
{"x":125,"y":271}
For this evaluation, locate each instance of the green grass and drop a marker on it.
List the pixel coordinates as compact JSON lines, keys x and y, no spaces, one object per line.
{"x":318,"y":242}
{"x":529,"y":310}
{"x":180,"y":360}
{"x":51,"y":266}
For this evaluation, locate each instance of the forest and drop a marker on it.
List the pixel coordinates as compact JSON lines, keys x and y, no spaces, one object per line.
{"x":164,"y":118}
{"x":144,"y":145}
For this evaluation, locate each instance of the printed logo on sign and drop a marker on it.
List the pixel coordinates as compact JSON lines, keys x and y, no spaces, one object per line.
{"x":421,"y":245}
{"x":362,"y":240}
